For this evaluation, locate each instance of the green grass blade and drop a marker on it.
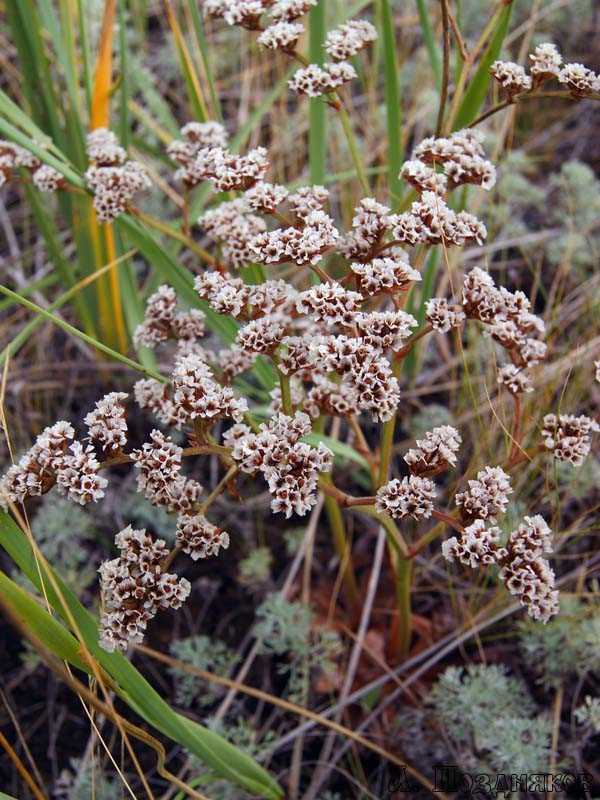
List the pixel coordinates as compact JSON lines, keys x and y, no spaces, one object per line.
{"x":199,"y":33}
{"x":478,"y":87}
{"x":80,"y":335}
{"x":392,"y":100}
{"x":432,"y":49}
{"x":54,"y":636}
{"x":212,"y":749}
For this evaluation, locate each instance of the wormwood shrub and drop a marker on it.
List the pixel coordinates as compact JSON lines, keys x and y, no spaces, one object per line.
{"x":327,"y":325}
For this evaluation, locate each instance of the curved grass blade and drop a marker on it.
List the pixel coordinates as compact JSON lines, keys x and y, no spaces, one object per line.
{"x":478,"y":87}
{"x":430,"y":43}
{"x":392,"y":100}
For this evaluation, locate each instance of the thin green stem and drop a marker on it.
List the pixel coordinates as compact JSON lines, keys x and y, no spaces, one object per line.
{"x":286,"y":393}
{"x":338,"y":529}
{"x":403,"y":587}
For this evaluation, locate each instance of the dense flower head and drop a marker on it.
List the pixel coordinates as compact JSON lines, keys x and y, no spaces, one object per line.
{"x":198,"y":396}
{"x":569,"y":437}
{"x":486,"y":496}
{"x":508,"y":315}
{"x":423,"y":177}
{"x":290,"y":467}
{"x":385,"y":330}
{"x":232,"y":361}
{"x":103,"y":148}
{"x":512,"y":77}
{"x":296,"y":356}
{"x":384,"y":275}
{"x":229,"y":171}
{"x":330,"y":302}
{"x":36,"y":470}
{"x":47,"y":179}
{"x":262,"y":335}
{"x":431,"y":221}
{"x":115,"y":187}
{"x":461,"y":156}
{"x":364,"y":368}
{"x":476,"y":546}
{"x":265,"y":197}
{"x":302,"y":246}
{"x":315,"y":80}
{"x":154,"y":396}
{"x":307,"y":199}
{"x":436,"y":452}
{"x":195,"y":137}
{"x":199,"y":538}
{"x":441,"y":316}
{"x":515,"y":380}
{"x":526,"y":573}
{"x":349,"y":39}
{"x":281,"y":35}
{"x":329,"y":397}
{"x":546,"y":61}
{"x":163,"y":322}
{"x":523,"y":568}
{"x":13,"y":156}
{"x":134,"y":587}
{"x":291,"y":9}
{"x":225,"y":295}
{"x":412,"y":496}
{"x":579,"y":79}
{"x":77,"y":476}
{"x":246,"y":13}
{"x":159,"y":475}
{"x":107,"y":424}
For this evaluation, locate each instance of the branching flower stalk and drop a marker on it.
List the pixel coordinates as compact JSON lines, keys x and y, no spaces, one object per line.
{"x":336,"y":350}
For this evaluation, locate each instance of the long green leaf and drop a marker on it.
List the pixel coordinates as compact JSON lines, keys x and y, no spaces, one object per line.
{"x":392,"y":100}
{"x":212,"y":749}
{"x":478,"y":87}
{"x":80,"y":335}
{"x":54,"y":636}
{"x":317,"y":134}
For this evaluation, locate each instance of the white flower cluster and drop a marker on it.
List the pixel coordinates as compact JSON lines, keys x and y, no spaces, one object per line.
{"x":228,"y":171}
{"x":523,"y":568}
{"x":512,"y":77}
{"x":196,"y":136}
{"x":349,"y":39}
{"x":246,"y":13}
{"x":199,"y":538}
{"x":13,"y":156}
{"x":331,"y":303}
{"x":265,"y":197}
{"x":307,"y":199}
{"x":198,"y":396}
{"x":113,"y":178}
{"x":281,"y":35}
{"x":54,"y":461}
{"x":159,"y":475}
{"x":385,"y":330}
{"x":412,"y":496}
{"x":569,"y":437}
{"x":232,"y":227}
{"x":431,"y":221}
{"x":315,"y":80}
{"x":154,"y":396}
{"x":291,"y":9}
{"x":364,"y":371}
{"x":385,"y":275}
{"x":228,"y":295}
{"x":486,"y":496}
{"x":436,"y":452}
{"x":441,"y":316}
{"x":134,"y":587}
{"x":508,"y":318}
{"x":546,"y":64}
{"x":304,"y":245}
{"x":290,"y":467}
{"x":107,"y":425}
{"x":370,"y":223}
{"x":162,"y":321}
{"x":461,"y":156}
